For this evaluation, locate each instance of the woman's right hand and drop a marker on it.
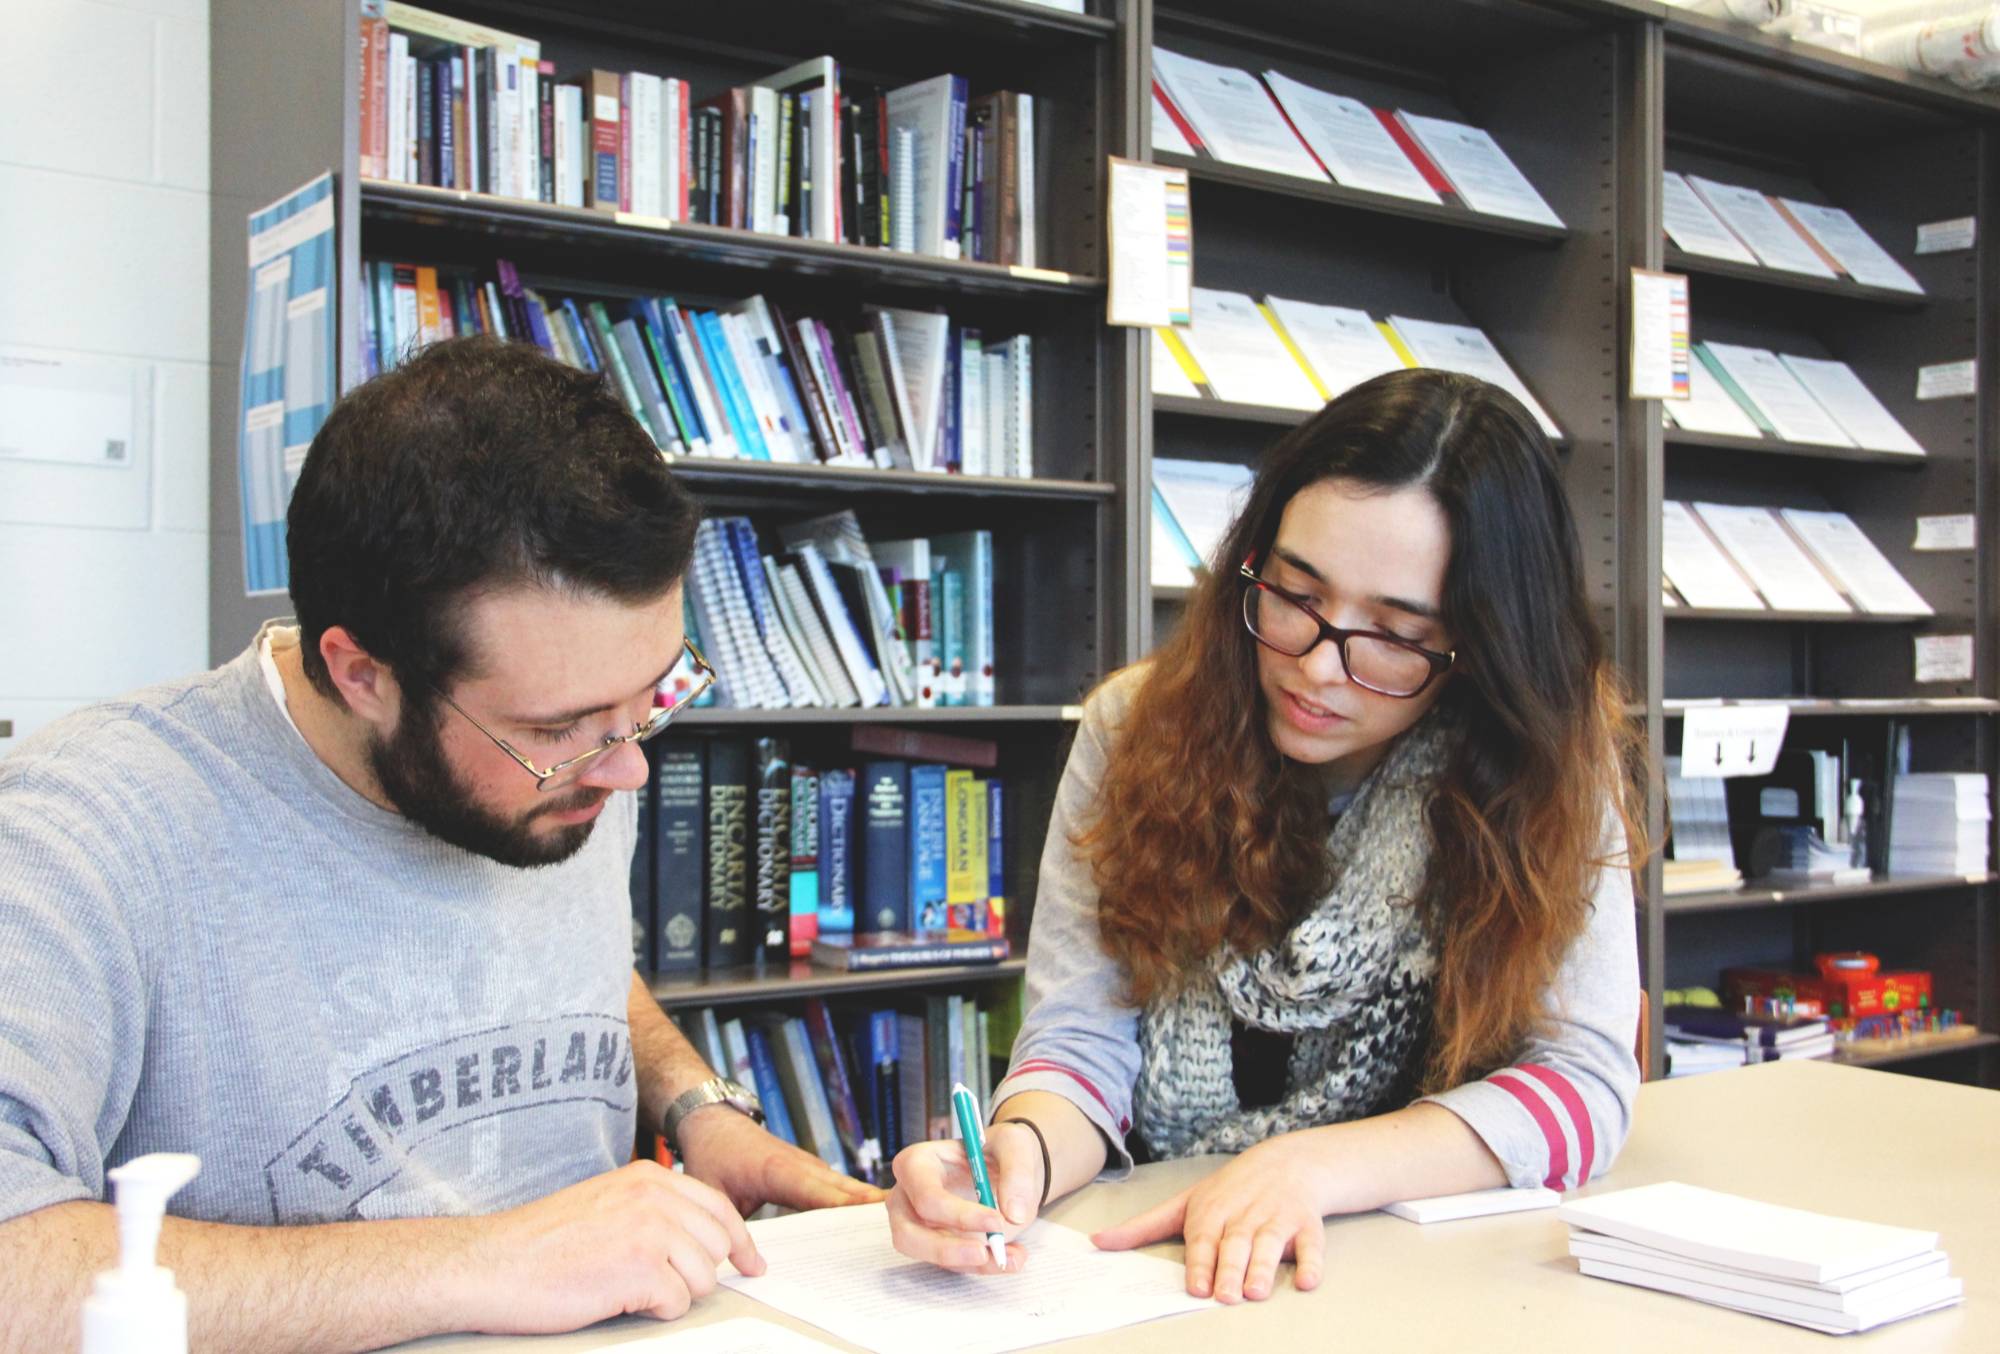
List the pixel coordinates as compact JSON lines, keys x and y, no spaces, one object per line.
{"x":935,"y":1216}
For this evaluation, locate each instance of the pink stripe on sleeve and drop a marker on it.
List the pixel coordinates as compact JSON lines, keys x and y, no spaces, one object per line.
{"x":1579,"y":1116}
{"x":1551,"y":1130}
{"x":1044,"y":1065}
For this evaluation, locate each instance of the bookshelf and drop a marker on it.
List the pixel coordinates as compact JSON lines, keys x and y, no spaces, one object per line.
{"x":1593,"y":99}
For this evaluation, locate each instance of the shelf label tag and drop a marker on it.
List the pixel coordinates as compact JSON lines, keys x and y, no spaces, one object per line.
{"x":1732,"y":740}
{"x":1659,"y":335}
{"x":1947,"y":380}
{"x":1957,"y":531}
{"x":1152,"y":247}
{"x":1945,"y":237}
{"x":1944,"y":658}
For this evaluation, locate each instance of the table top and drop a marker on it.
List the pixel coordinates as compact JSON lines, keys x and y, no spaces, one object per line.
{"x":1873,"y":1145}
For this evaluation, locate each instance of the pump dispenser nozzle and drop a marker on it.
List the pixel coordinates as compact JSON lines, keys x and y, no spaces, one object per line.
{"x":136,"y":1307}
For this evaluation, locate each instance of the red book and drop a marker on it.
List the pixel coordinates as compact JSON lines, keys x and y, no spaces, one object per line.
{"x":1179,"y":118}
{"x":374,"y":98}
{"x":1425,"y":165}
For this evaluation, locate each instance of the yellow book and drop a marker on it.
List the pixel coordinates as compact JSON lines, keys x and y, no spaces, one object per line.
{"x":977,"y":833}
{"x":1188,"y":366}
{"x":1285,"y":337}
{"x":961,"y":831}
{"x":1396,"y":342}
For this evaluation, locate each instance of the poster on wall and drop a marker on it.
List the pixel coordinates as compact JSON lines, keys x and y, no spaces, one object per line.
{"x":288,"y":376}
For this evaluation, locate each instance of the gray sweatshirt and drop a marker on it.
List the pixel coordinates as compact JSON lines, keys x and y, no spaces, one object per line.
{"x":213,"y":945}
{"x":1556,"y":1117}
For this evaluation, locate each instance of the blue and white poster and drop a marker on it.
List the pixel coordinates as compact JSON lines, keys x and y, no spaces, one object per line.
{"x":288,"y":377}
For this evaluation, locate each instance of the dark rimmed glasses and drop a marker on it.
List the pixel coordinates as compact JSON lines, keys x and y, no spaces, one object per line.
{"x":1381,"y":663}
{"x":691,"y":676}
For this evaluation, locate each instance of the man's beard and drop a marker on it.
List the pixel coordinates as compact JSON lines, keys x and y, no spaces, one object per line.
{"x":411,"y":768}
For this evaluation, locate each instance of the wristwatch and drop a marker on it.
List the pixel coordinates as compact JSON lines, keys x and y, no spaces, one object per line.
{"x":714,"y":1091}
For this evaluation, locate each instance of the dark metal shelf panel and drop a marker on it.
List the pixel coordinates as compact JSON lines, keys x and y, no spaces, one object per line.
{"x":1685,"y":613}
{"x":1765,"y":895}
{"x":800,"y":979}
{"x":481,"y":213}
{"x":1183,"y":406}
{"x":1938,"y":705}
{"x":1768,"y":446}
{"x":702,"y":472}
{"x":713,"y":717}
{"x":1327,"y":194}
{"x":1701,"y":265}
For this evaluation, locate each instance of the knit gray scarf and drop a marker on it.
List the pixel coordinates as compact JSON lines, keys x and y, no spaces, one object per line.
{"x":1351,"y":980}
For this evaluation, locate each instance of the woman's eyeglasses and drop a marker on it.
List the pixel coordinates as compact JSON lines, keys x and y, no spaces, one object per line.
{"x":1381,"y":663}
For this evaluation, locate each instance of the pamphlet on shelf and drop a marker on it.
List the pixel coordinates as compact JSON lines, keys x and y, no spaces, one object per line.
{"x":1349,"y":140}
{"x":1234,"y":115}
{"x":1168,"y":377}
{"x":1479,"y":170}
{"x":1793,"y":413}
{"x":1204,"y":498}
{"x":1710,"y":408}
{"x":1692,"y":226}
{"x":1462,"y":348}
{"x":1852,"y":404}
{"x":1242,"y":356}
{"x":1166,"y":131}
{"x":1697,"y":567}
{"x":1947,"y":531}
{"x":1948,"y":380}
{"x":1771,"y":558}
{"x":1863,"y":572}
{"x":1660,"y":361}
{"x":1342,"y":346}
{"x":1756,"y":222}
{"x":1944,"y":658}
{"x":1731,"y":740}
{"x":1853,"y":248}
{"x":1152,"y":249}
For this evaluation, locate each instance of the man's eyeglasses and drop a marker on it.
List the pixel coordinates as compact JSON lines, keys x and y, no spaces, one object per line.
{"x":690,"y":677}
{"x":1381,"y":663}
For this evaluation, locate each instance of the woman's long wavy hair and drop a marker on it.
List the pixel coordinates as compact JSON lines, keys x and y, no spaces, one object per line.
{"x":1207,"y":836}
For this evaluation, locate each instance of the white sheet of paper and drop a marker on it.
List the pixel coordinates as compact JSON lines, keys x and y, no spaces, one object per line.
{"x":1760,"y":545}
{"x":1349,"y":140}
{"x":1166,"y":132}
{"x":1852,"y":404}
{"x":1732,"y":740}
{"x":1944,"y":658}
{"x":1946,"y":237}
{"x":1851,"y":559}
{"x":1205,"y":497}
{"x":1233,"y":112}
{"x":1700,"y":572}
{"x":1462,"y":348}
{"x":1143,"y":271}
{"x":1791,"y":408}
{"x":1343,"y":345}
{"x":1168,"y":378}
{"x":836,"y":1269}
{"x":1710,"y":408}
{"x":1480,"y":171}
{"x":1950,"y":531}
{"x":1853,"y":248}
{"x":1242,"y":356}
{"x":1660,"y":352}
{"x":1756,"y":222}
{"x":1948,"y":380}
{"x":1479,"y":1203}
{"x":1691,"y":225}
{"x":738,"y":1335}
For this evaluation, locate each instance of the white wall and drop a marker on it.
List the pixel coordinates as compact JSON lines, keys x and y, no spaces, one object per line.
{"x":104,"y":185}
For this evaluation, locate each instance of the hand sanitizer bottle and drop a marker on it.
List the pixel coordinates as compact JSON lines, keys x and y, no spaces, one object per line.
{"x":1856,"y":823}
{"x":135,"y":1308}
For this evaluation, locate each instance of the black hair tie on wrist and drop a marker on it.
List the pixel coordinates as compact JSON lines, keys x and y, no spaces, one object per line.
{"x":1047,"y":1170}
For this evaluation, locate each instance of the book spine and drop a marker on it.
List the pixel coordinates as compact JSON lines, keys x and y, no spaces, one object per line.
{"x":954,"y":177}
{"x":971,"y":914}
{"x":545,"y":160}
{"x":804,"y":879}
{"x":813,"y":1091}
{"x":950,"y":600}
{"x":660,"y":350}
{"x":770,"y":1089}
{"x":427,"y":162}
{"x":645,"y":921}
{"x":836,"y":866}
{"x":601,"y":186}
{"x":729,"y":934}
{"x":885,"y":851}
{"x":885,"y":1067}
{"x":863,"y":1150}
{"x":1432,"y":174}
{"x":996,"y":858}
{"x":374,"y":92}
{"x":737,"y":398}
{"x":625,"y":142}
{"x":928,"y":848}
{"x":720,"y":440}
{"x":961,"y":887}
{"x":912,"y":1078}
{"x":678,"y":858}
{"x":773,"y":890}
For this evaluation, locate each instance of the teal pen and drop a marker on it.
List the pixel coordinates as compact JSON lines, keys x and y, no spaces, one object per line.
{"x":975,"y":1155}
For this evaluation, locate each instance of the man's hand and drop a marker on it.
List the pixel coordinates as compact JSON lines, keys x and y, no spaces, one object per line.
{"x":637,"y":1239}
{"x":754,"y":1168}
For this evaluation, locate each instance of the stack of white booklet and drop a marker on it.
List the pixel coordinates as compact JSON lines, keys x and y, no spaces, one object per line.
{"x":1940,"y":823}
{"x":1830,"y":1274}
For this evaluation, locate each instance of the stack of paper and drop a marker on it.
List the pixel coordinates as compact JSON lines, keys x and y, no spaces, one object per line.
{"x":1755,"y":1038}
{"x":1940,"y":823}
{"x":1751,"y":392}
{"x":1698,"y":817}
{"x":1462,"y":348}
{"x":1772,"y":560}
{"x":1340,"y":347}
{"x":1828,"y":1274}
{"x":1851,"y":560}
{"x":1743,"y":225}
{"x":1852,"y":250}
{"x":1697,"y":567}
{"x":1479,"y":170}
{"x":1693,"y":227}
{"x":1242,"y":356}
{"x":1771,"y":394}
{"x":1750,"y":215}
{"x":1201,"y":500}
{"x":1233,"y":114}
{"x":1349,"y":140}
{"x":1851,"y":404}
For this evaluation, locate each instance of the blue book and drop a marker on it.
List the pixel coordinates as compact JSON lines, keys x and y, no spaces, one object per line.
{"x":884,"y":793}
{"x":969,"y":556}
{"x":679,"y":855}
{"x":836,"y":852}
{"x":878,"y":1058}
{"x":954,"y":185}
{"x":805,"y":859}
{"x":586,"y":342}
{"x":770,"y":1091}
{"x":949,"y":617}
{"x":996,"y":856}
{"x":927,"y":867}
{"x":391,"y":344}
{"x":644,"y":928}
{"x":660,"y":339}
{"x":721,"y":359}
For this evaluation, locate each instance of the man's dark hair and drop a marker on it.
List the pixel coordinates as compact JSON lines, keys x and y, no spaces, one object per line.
{"x":476,"y":464}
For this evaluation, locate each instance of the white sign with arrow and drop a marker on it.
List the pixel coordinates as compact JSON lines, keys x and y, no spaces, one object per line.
{"x":1732,"y":740}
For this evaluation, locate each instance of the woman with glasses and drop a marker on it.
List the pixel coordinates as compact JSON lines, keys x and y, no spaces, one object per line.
{"x":1337,"y":880}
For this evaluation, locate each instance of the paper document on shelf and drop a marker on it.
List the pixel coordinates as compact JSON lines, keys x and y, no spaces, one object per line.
{"x":1948,"y":380}
{"x":1242,"y":356}
{"x":1853,"y":248}
{"x":1168,"y":377}
{"x":738,"y":1335}
{"x":1343,"y":346}
{"x":1660,"y":355}
{"x":1204,"y":497}
{"x":1944,"y":658}
{"x":1756,"y":222}
{"x":1947,"y":237}
{"x":1851,"y":560}
{"x":1462,"y":348}
{"x":1769,"y":383}
{"x":1697,"y":567}
{"x":1349,"y":140}
{"x":1233,"y":114}
{"x":1949,"y":531}
{"x":1692,"y":226}
{"x":1151,"y":250}
{"x":1478,"y":169}
{"x":1852,"y":404}
{"x":1166,"y":132}
{"x":1766,"y":552}
{"x":1710,"y":408}
{"x":836,"y":1269}
{"x":1732,"y":740}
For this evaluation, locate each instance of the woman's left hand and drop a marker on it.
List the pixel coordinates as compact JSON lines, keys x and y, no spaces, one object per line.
{"x":1267,"y":1205}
